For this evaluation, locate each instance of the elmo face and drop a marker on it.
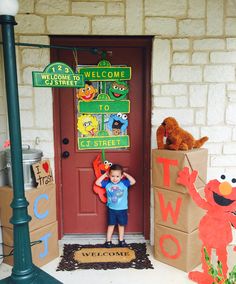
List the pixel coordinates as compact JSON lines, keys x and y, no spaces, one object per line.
{"x":103,"y":167}
{"x":222,"y":194}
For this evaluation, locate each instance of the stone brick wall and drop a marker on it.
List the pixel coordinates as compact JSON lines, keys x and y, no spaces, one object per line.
{"x":193,"y":64}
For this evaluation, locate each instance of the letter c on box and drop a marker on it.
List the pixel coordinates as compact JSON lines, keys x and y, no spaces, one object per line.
{"x":165,"y":253}
{"x":36,"y":213}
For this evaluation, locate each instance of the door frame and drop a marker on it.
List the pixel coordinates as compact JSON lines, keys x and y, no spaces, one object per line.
{"x":144,"y":42}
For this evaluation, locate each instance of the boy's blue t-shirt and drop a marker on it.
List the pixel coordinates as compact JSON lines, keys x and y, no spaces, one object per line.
{"x":117,"y":193}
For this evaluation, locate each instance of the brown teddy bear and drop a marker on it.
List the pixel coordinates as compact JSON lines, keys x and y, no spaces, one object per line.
{"x":176,"y":137}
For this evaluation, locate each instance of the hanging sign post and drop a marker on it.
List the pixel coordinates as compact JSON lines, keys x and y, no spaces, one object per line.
{"x":59,"y":75}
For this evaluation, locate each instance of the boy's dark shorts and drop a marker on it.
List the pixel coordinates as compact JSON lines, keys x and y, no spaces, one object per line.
{"x":117,"y":217}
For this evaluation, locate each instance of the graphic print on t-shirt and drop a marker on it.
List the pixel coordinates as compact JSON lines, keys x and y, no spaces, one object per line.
{"x":115,"y":193}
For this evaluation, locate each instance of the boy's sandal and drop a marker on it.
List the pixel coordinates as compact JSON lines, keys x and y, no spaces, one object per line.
{"x":122,"y":244}
{"x":108,"y":244}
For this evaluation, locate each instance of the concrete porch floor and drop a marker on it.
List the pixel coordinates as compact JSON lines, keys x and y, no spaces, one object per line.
{"x":162,"y":273}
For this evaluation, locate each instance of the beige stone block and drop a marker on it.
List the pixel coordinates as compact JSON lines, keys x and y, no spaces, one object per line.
{"x":26,"y":103}
{"x":209,"y":44}
{"x":196,"y":9}
{"x":46,"y":7}
{"x":231,"y":43}
{"x":3,"y":124}
{"x":26,"y":6}
{"x":230,"y":8}
{"x":230,"y":26}
{"x":68,"y":25}
{"x":181,"y":57}
{"x":200,"y":58}
{"x":169,"y":8}
{"x":35,"y":39}
{"x":215,"y":17}
{"x":231,"y":114}
{"x":36,"y":57}
{"x":217,"y":134}
{"x":161,"y":61}
{"x":180,"y":44}
{"x":2,"y":106}
{"x":191,"y":27}
{"x":223,"y":161}
{"x":134,"y":12}
{"x":88,"y":8}
{"x":181,"y":101}
{"x":160,"y":26}
{"x":198,"y":95}
{"x":186,"y":73}
{"x":115,"y":8}
{"x":108,"y":25}
{"x":25,"y":91}
{"x":186,"y":119}
{"x":173,"y":90}
{"x":43,"y":108}
{"x":219,"y":73}
{"x":27,"y":74}
{"x":27,"y":118}
{"x":216,"y":104}
{"x":32,"y":24}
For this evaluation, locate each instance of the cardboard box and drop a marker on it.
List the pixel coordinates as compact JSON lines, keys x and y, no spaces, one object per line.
{"x":42,"y":206}
{"x":176,"y":248}
{"x":42,"y":253}
{"x":166,"y":164}
{"x":177,"y":210}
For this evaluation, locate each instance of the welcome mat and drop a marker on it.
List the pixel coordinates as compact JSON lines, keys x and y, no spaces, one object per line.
{"x":77,"y":256}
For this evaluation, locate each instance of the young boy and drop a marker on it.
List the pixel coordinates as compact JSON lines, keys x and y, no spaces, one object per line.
{"x":117,"y":200}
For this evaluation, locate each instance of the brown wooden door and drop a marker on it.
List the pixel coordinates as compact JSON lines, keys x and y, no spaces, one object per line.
{"x":82,"y":211}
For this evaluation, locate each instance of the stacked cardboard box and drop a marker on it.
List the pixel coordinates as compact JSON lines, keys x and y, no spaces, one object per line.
{"x":176,"y":215}
{"x":42,"y":227}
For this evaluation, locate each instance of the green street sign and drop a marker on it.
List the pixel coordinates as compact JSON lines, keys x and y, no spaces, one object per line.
{"x":104,"y":107}
{"x":59,"y":75}
{"x":106,"y":73}
{"x":103,"y":142}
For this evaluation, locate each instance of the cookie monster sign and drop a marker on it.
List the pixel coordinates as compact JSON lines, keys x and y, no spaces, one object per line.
{"x":109,"y":108}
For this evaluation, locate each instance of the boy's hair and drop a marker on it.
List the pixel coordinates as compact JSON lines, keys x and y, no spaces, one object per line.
{"x":116,"y":167}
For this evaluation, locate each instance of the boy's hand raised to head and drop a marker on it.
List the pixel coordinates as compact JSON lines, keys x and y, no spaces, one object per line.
{"x":130,"y":178}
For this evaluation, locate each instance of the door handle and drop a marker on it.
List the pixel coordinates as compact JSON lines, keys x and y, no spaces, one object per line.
{"x":65,"y":154}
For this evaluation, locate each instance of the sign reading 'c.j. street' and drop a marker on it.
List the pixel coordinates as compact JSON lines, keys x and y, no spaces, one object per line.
{"x":59,"y":75}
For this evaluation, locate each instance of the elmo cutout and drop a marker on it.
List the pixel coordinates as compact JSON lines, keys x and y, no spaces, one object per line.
{"x":99,"y":169}
{"x":215,"y":228}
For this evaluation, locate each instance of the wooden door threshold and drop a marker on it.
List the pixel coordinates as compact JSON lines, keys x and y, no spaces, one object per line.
{"x":100,"y":238}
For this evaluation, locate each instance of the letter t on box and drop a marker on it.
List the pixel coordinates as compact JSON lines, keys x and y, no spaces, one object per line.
{"x":167,"y":163}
